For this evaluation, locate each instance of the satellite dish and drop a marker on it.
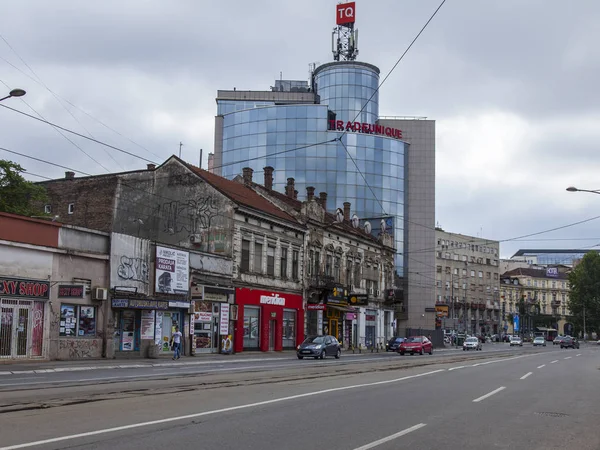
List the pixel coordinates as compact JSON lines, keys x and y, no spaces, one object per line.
{"x":368,"y":227}
{"x":383,"y":226}
{"x":355,"y":221}
{"x":339,"y":215}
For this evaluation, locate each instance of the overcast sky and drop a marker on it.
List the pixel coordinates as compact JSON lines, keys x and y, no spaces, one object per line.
{"x":512,"y":85}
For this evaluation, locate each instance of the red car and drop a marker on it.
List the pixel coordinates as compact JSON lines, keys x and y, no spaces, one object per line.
{"x":416,"y":344}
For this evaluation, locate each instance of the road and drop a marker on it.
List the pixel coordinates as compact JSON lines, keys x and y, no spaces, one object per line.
{"x":511,"y":398}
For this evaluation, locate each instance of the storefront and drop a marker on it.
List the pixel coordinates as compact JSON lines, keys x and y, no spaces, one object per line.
{"x":22,"y":317}
{"x":267,"y":320}
{"x":141,"y":323}
{"x":208,"y":308}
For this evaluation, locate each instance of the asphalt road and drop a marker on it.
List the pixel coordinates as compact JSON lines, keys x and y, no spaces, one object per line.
{"x":515,"y":398}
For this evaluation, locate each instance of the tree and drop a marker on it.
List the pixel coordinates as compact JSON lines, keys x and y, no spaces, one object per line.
{"x":17,"y":195}
{"x":584,"y":298}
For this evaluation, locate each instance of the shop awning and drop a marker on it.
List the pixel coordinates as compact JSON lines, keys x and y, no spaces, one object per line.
{"x":342,"y":308}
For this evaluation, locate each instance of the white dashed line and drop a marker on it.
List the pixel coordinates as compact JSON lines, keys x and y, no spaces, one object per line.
{"x":555,"y":361}
{"x":483,"y":397}
{"x":578,"y":354}
{"x":390,"y":438}
{"x":568,"y":357}
{"x":526,"y":375}
{"x":543,"y":365}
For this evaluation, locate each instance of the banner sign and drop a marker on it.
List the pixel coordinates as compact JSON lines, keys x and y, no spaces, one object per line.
{"x":16,"y":287}
{"x":224,"y":319}
{"x":68,"y":291}
{"x":172,"y":271}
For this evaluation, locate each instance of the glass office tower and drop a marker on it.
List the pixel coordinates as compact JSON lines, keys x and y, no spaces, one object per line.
{"x":297,"y":132}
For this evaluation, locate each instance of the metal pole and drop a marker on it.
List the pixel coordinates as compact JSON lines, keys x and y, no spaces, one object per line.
{"x":584,"y":329}
{"x":200,"y":165}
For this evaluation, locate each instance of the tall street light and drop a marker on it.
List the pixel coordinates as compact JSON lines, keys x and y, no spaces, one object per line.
{"x":14,"y":93}
{"x":597,"y":191}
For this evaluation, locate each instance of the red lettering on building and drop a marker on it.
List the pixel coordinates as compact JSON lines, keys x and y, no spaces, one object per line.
{"x":344,"y":13}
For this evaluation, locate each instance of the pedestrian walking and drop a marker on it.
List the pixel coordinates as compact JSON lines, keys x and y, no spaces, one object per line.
{"x":176,"y":340}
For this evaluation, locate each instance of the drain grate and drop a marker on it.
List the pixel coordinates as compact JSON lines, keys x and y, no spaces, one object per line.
{"x":551,"y":414}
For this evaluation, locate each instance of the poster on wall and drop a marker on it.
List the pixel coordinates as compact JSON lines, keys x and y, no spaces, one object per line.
{"x":172,"y":271}
{"x":158,"y":328}
{"x":129,"y":263}
{"x":224,"y":320}
{"x":148,"y":324}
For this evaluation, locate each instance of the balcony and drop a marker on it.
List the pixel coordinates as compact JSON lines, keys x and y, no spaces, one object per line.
{"x":321,"y":281}
{"x":481,"y":306}
{"x":555,"y":303}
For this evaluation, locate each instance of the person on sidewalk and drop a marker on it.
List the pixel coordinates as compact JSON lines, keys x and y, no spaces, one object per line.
{"x":176,"y":343}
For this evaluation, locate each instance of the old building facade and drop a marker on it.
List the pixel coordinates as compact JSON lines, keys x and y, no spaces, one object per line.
{"x":467,"y":283}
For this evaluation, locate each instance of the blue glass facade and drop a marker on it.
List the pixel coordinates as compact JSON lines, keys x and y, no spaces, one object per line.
{"x":295,"y":140}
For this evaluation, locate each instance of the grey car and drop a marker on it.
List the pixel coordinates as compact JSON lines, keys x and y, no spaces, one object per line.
{"x":472,"y":343}
{"x":319,"y":347}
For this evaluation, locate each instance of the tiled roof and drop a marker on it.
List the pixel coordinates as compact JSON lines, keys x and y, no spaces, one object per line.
{"x":241,"y":194}
{"x":535,"y":273}
{"x":329,"y":217}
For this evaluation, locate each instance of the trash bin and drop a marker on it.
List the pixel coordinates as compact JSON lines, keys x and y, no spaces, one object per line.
{"x":153,"y":351}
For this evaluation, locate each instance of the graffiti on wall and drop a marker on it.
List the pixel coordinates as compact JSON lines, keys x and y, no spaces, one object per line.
{"x":79,"y":348}
{"x":133,"y":269}
{"x":130,"y":262}
{"x":190,"y":216}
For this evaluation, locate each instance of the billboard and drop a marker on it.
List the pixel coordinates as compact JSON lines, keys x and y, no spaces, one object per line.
{"x":516,"y":323}
{"x":345,"y":13}
{"x":552,"y":272}
{"x":172,"y":271}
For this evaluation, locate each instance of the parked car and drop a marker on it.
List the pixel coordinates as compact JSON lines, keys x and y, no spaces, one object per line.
{"x":472,"y":343}
{"x":569,"y":342}
{"x":393,"y":344}
{"x":516,"y":340}
{"x":557,"y":340}
{"x":416,"y":344}
{"x":539,"y":341}
{"x":319,"y":347}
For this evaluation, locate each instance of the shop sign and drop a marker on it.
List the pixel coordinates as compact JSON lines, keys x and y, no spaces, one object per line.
{"x":315,"y":307}
{"x":16,"y":287}
{"x":552,"y":272}
{"x":247,"y":296}
{"x":224,"y":319}
{"x":139,"y":304}
{"x":214,"y":296}
{"x":203,"y":316}
{"x":336,"y":301}
{"x":358,"y":299}
{"x":272,"y":299}
{"x":185,"y":305}
{"x":350,"y":316}
{"x":370,"y":318}
{"x":68,"y":291}
{"x":172,"y":271}
{"x":365,"y":128}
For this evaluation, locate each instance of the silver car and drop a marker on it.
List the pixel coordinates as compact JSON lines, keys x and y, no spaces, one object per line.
{"x":472,"y":343}
{"x":516,"y":340}
{"x":539,"y":340}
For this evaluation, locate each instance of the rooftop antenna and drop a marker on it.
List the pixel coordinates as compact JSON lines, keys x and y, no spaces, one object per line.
{"x":180,"y":145}
{"x":344,"y":39}
{"x":200,"y":166}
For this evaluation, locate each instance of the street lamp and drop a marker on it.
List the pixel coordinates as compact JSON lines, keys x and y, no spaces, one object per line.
{"x":14,"y":93}
{"x":574,"y":189}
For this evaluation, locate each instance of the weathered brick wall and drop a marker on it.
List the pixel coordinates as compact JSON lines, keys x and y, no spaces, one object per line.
{"x":93,"y":200}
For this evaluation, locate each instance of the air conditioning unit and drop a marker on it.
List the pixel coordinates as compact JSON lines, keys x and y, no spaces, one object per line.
{"x":99,"y":294}
{"x":195,"y":238}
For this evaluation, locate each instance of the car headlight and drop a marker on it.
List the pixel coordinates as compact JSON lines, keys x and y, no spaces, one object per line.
{"x":298,"y":348}
{"x":318,"y":346}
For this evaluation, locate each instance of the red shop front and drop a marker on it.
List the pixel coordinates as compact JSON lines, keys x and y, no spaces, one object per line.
{"x":268,"y":320}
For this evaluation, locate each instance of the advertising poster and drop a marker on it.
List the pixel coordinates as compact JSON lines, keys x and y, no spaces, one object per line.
{"x":172,"y":271}
{"x":158,"y":328}
{"x":148,"y":324}
{"x":224,"y":320}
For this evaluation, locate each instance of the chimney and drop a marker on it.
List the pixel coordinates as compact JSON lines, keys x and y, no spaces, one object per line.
{"x":323,"y":199}
{"x":268,"y":177}
{"x":151,"y":166}
{"x":310,"y":193}
{"x":247,"y":174}
{"x":289,"y":189}
{"x":347,"y":211}
{"x":69,"y":175}
{"x":295,"y":195}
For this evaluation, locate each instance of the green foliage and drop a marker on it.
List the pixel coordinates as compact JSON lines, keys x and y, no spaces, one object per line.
{"x":584,"y":281}
{"x":17,"y":195}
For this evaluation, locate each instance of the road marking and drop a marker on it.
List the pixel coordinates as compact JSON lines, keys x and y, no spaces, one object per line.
{"x":526,"y":375}
{"x":543,"y":365}
{"x":456,"y":368}
{"x":391,"y":437}
{"x":578,"y":354}
{"x":568,"y":357}
{"x":483,"y":397}
{"x":555,"y":361}
{"x":215,"y":411}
